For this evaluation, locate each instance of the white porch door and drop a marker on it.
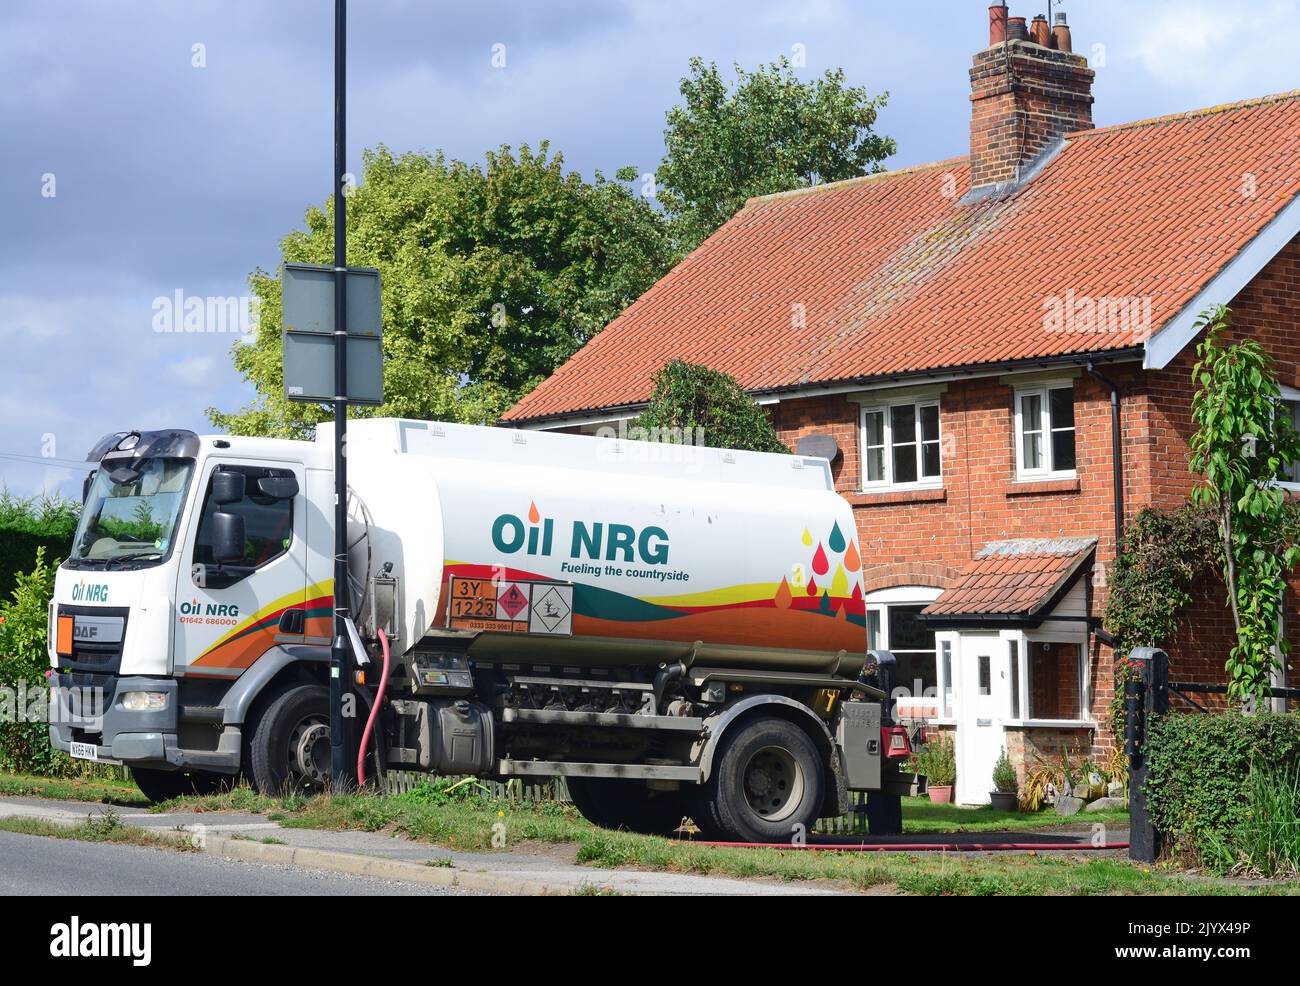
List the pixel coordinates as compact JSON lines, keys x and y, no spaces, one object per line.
{"x":982,"y":697}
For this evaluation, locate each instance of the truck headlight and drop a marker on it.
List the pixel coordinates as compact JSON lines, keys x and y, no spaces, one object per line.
{"x":144,"y":701}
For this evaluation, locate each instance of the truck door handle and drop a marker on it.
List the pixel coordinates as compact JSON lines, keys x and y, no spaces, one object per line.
{"x":293,"y":621}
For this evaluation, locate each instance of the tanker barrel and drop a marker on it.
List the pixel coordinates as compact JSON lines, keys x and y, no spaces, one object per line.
{"x":881,"y":670}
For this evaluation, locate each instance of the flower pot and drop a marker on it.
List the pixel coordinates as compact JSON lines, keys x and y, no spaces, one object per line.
{"x":940,"y":795}
{"x":1003,"y":800}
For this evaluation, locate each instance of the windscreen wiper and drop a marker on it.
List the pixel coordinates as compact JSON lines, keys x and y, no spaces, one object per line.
{"x":134,"y":556}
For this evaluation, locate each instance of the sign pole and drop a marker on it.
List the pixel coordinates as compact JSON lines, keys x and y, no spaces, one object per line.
{"x":339,"y":657}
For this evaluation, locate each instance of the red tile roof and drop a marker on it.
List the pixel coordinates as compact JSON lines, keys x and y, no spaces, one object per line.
{"x":1014,"y":578}
{"x":893,"y":274}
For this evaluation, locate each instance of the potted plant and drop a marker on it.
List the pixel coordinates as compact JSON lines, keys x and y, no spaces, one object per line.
{"x":1004,"y":796}
{"x":937,"y":761}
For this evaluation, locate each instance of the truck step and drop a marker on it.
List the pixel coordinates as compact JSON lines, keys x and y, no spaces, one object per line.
{"x":685,"y":724}
{"x":554,"y":768}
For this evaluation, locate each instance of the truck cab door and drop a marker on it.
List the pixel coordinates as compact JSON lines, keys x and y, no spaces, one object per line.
{"x":230,"y":612}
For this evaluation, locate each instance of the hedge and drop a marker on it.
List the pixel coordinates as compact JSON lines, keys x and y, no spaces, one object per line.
{"x":1199,"y":785}
{"x":18,"y":553}
{"x":28,"y":523}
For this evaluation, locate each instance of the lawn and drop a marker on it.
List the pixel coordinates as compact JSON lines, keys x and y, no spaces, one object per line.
{"x":919,"y":815}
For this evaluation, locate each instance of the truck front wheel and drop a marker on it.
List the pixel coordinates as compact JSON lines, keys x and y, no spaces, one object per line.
{"x":766,"y":784}
{"x":290,"y":749}
{"x":618,"y":803}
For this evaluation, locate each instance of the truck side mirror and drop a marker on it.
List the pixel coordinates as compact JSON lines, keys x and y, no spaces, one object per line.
{"x":85,"y":485}
{"x":227,"y":487}
{"x":227,"y":537}
{"x":278,"y":487}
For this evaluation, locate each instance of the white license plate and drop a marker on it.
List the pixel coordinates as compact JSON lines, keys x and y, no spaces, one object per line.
{"x":84,"y":751}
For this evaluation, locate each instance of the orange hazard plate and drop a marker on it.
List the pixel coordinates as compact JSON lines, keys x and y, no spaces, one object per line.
{"x":478,"y":604}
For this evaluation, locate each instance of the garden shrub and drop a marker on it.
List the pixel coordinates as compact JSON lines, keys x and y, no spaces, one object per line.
{"x":1200,"y":788}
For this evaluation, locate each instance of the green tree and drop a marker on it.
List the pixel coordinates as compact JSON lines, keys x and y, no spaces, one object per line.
{"x":24,"y":744}
{"x":695,"y":404}
{"x":493,"y":275}
{"x":771,"y":133}
{"x":1240,"y":448}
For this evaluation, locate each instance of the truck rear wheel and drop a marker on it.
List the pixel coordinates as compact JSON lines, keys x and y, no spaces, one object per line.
{"x":290,"y":749}
{"x":618,"y":803}
{"x":767,"y":783}
{"x":163,"y":785}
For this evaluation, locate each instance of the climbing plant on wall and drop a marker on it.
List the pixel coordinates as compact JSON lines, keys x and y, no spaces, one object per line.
{"x":1241,"y":447}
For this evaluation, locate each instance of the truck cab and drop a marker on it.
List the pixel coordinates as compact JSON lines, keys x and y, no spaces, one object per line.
{"x":193,"y":558}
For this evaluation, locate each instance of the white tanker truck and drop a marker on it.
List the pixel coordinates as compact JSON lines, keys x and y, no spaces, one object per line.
{"x":678,"y":631}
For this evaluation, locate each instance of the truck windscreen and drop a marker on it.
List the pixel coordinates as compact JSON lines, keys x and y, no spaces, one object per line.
{"x":130,"y":514}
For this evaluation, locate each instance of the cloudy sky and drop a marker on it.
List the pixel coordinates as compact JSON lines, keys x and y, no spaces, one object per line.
{"x":167,"y":176}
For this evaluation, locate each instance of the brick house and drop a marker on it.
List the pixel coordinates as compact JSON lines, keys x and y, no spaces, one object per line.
{"x":994,"y":350}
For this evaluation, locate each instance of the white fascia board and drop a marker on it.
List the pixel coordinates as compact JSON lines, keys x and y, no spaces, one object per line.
{"x":1170,"y":340}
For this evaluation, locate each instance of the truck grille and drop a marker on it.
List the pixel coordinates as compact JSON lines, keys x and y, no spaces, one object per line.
{"x":93,"y":656}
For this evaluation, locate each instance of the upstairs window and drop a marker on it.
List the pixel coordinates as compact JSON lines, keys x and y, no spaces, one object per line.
{"x":900,"y":445}
{"x":1045,"y":431}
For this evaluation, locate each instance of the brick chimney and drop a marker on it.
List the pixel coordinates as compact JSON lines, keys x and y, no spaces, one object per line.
{"x":1024,"y":96}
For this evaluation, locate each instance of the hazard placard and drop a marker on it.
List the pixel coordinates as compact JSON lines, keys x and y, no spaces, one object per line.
{"x":510,"y":606}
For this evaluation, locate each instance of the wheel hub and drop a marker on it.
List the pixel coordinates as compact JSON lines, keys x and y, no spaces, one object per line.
{"x":309,"y":752}
{"x":774,"y":783}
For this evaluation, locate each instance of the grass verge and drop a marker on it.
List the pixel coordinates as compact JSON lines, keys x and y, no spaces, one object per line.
{"x":463,"y":817}
{"x":106,"y":828}
{"x":100,"y":791}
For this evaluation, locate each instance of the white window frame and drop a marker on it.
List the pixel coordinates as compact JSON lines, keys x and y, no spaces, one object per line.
{"x":878,"y":603}
{"x":1042,"y":391}
{"x":1024,"y":679}
{"x":1291,"y":396}
{"x":884,"y":409}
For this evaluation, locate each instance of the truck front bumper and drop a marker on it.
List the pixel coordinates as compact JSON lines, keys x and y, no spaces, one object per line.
{"x":89,"y":710}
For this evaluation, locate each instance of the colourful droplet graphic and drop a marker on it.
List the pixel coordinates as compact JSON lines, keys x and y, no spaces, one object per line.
{"x":851,"y":559}
{"x":840,"y":584}
{"x":836,"y":540}
{"x":807,"y":538}
{"x":827,"y":606}
{"x":857,"y":592}
{"x":784,"y":597}
{"x":533,"y":515}
{"x":819,"y":563}
{"x":812,"y":587}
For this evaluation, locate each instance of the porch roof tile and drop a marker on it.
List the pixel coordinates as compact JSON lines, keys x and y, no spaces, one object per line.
{"x":1014,"y":578}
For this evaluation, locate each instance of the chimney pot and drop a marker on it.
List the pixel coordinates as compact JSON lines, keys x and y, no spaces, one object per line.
{"x":1016,"y":29}
{"x":1039,"y":33}
{"x":997,"y":24}
{"x":1061,"y":34}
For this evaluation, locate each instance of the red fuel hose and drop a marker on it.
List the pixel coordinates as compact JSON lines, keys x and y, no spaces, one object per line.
{"x":919,"y":846}
{"x":374,"y":709}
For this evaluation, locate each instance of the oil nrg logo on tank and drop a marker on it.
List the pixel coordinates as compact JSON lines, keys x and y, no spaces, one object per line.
{"x":597,"y":540}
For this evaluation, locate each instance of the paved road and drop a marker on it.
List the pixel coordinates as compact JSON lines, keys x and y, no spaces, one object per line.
{"x":36,"y":865}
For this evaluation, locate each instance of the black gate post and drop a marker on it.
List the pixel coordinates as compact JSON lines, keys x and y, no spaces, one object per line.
{"x":884,"y":811}
{"x":1144,"y":699}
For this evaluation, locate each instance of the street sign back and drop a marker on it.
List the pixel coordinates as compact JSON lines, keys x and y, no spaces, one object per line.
{"x":307,"y":299}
